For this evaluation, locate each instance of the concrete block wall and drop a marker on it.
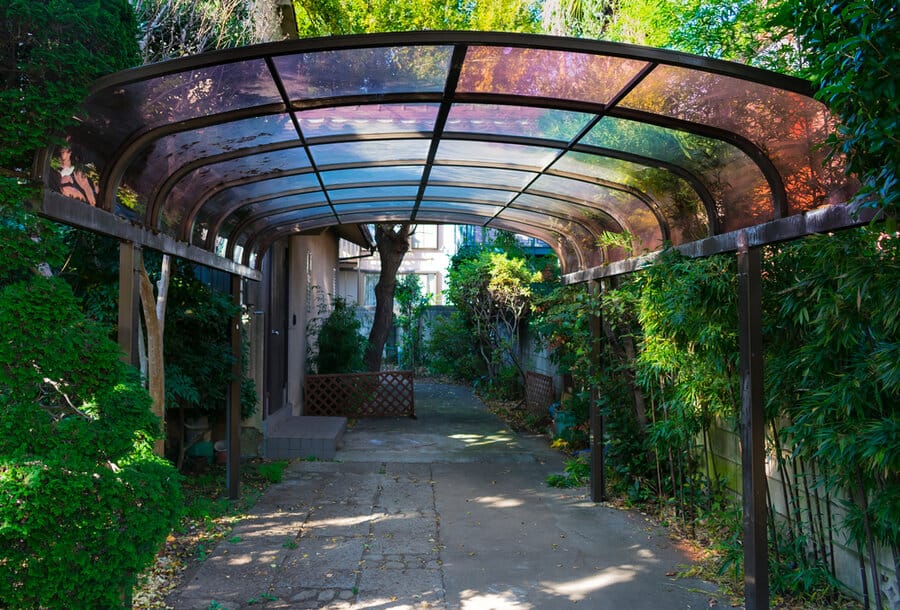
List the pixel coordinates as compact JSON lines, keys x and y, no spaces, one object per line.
{"x":726,"y":461}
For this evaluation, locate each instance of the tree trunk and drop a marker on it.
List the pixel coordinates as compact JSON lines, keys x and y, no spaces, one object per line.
{"x":154,"y":308}
{"x":393,"y":243}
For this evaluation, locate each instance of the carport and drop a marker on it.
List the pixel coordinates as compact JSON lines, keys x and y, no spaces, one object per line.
{"x":213,"y":158}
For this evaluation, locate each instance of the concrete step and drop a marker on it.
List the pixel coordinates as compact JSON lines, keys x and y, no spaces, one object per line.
{"x":303,"y":436}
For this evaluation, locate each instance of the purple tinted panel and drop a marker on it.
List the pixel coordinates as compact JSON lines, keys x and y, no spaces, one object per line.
{"x":373,"y":175}
{"x":370,"y":151}
{"x":377,"y":192}
{"x":373,"y":71}
{"x":227,"y":201}
{"x":494,"y":154}
{"x":374,"y":207}
{"x":516,"y":121}
{"x":451,"y":193}
{"x":371,"y":119}
{"x":566,"y":75}
{"x":629,"y":211}
{"x":455,"y":206}
{"x":742,"y":194}
{"x":786,"y":126}
{"x":362,"y":218}
{"x":195,"y":186}
{"x":167,"y":154}
{"x":286,"y":218}
{"x":190,"y":94}
{"x":481,"y":176}
{"x":677,"y":200}
{"x":253,"y":210}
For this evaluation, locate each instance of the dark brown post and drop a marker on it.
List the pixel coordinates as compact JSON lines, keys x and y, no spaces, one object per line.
{"x":753,"y":455}
{"x":129,"y":303}
{"x":598,"y":467}
{"x":233,"y":416}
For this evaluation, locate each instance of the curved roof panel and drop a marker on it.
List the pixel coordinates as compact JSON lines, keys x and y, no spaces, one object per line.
{"x":560,"y":139}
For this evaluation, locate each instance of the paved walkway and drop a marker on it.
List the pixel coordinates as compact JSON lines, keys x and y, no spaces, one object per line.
{"x":448,"y":511}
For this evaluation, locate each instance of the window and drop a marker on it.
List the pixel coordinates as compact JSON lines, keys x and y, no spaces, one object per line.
{"x":424,"y":237}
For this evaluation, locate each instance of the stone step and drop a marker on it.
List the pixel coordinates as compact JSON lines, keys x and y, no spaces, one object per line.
{"x":303,"y":436}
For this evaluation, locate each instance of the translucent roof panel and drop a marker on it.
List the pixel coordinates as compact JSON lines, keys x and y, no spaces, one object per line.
{"x":374,"y":194}
{"x":680,"y":202}
{"x":169,"y":153}
{"x":464,"y":194}
{"x":483,"y":210}
{"x":628,"y":211}
{"x":566,"y":75}
{"x":364,"y":71}
{"x":195,"y":187}
{"x":495,"y":154}
{"x":481,"y":176}
{"x":743,"y":195}
{"x":785,"y":126}
{"x":372,"y":175}
{"x":561,"y":138}
{"x":370,"y":119}
{"x":531,"y":122}
{"x":370,"y":152}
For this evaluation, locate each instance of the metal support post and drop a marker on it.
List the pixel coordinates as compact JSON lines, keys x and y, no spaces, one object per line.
{"x":128,"y":322}
{"x":598,"y":466}
{"x":753,"y":455}
{"x":233,"y":415}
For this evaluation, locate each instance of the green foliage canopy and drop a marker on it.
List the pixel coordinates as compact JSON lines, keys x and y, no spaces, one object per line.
{"x":83,"y":502}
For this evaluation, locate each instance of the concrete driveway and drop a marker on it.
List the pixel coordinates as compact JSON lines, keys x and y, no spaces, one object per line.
{"x":447,"y":511}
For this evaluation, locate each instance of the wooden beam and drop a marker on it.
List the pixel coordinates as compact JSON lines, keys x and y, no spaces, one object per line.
{"x":79,"y":214}
{"x":823,"y":220}
{"x":753,"y":425}
{"x":233,"y":416}
{"x":598,"y":461}
{"x":128,"y":323}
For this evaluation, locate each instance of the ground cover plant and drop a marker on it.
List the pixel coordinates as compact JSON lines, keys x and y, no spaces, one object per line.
{"x":208,"y":519}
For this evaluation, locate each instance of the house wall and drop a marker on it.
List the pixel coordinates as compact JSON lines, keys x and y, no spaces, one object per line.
{"x":313,"y":261}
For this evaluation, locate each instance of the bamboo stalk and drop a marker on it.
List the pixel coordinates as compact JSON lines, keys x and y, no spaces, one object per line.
{"x":659,"y":484}
{"x":782,"y":472}
{"x":870,"y":543}
{"x":831,"y":532}
{"x":809,"y":513}
{"x":771,"y":516}
{"x":812,"y":466}
{"x":862,"y":574}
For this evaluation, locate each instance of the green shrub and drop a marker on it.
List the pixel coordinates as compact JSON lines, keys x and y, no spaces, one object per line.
{"x":451,"y":351}
{"x":84,"y":504}
{"x":340,"y":347}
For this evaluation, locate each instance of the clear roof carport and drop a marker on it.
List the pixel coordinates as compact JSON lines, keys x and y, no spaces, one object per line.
{"x":214,"y":157}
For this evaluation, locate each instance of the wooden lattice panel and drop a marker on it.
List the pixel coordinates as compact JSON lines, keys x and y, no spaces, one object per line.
{"x":539,"y":393}
{"x":357,"y":395}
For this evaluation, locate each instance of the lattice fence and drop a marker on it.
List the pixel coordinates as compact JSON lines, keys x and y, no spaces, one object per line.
{"x":357,"y":395}
{"x":539,"y":393}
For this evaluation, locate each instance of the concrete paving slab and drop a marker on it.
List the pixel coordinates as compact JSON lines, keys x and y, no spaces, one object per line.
{"x":451,"y":512}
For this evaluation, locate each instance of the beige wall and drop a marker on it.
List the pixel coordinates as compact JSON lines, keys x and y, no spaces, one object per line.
{"x":313,"y":261}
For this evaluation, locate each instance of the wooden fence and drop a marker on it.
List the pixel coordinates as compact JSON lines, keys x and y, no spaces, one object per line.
{"x":358,"y":395}
{"x":539,"y":394}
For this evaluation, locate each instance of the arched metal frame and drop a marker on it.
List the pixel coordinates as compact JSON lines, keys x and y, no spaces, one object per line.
{"x":179,"y":143}
{"x":559,"y":139}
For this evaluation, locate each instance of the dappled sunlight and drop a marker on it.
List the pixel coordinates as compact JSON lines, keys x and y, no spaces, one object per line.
{"x":499,"y":501}
{"x":493,"y":600}
{"x":577,"y":590}
{"x":314,"y":523}
{"x":480,"y":440}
